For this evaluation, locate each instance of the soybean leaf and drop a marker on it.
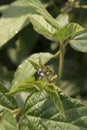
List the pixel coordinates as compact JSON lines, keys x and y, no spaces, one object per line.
{"x":67,"y":31}
{"x":29,"y":86}
{"x":24,"y":45}
{"x":7,"y":121}
{"x":63,"y":19}
{"x":42,"y":26}
{"x":3,"y":7}
{"x":35,"y":65}
{"x":39,"y":8}
{"x":6,"y":100}
{"x":14,"y":18}
{"x":26,"y":69}
{"x":79,"y":41}
{"x":42,"y":113}
{"x":52,"y":92}
{"x":24,"y":125}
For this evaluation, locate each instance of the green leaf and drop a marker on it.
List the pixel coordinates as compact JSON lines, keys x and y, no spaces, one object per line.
{"x":27,"y":39}
{"x":52,"y":92}
{"x":6,"y":100}
{"x":63,"y":19}
{"x":39,"y":8}
{"x":24,"y":125}
{"x":79,"y":41}
{"x":29,"y":86}
{"x":14,"y":18}
{"x":34,"y":64}
{"x":42,"y":113}
{"x":67,"y":31}
{"x":8,"y":122}
{"x":42,"y":26}
{"x":3,"y":7}
{"x":26,"y":69}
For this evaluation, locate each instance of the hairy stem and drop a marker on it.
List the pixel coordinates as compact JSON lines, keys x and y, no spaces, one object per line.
{"x":81,"y":6}
{"x":16,"y":111}
{"x":61,"y":60}
{"x":58,"y":52}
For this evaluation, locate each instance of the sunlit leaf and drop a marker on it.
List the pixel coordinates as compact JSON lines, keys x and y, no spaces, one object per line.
{"x":42,"y":26}
{"x":34,"y":64}
{"x":63,"y":19}
{"x":26,"y":69}
{"x":24,"y":45}
{"x":14,"y":18}
{"x":29,"y":86}
{"x":67,"y":31}
{"x":39,"y":8}
{"x":79,"y":41}
{"x":8,"y":122}
{"x":3,"y":7}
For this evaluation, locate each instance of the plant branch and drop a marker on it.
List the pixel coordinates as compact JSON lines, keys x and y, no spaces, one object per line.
{"x":81,"y":6}
{"x":16,"y":111}
{"x":61,"y":60}
{"x":58,"y":52}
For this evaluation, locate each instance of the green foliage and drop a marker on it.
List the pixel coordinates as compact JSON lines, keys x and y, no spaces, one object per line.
{"x":26,"y":70}
{"x":42,"y":114}
{"x":52,"y":92}
{"x":7,"y":121}
{"x":29,"y":86}
{"x":15,"y":17}
{"x":67,"y":31}
{"x":63,"y":19}
{"x":79,"y":41}
{"x":6,"y":100}
{"x":45,"y":106}
{"x":42,"y":26}
{"x":39,"y":8}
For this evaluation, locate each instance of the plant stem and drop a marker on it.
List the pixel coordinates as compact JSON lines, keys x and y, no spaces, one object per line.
{"x":16,"y":111}
{"x":61,"y":59}
{"x":81,"y":6}
{"x":58,"y":52}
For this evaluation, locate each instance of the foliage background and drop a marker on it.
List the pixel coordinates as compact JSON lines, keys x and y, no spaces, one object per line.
{"x":27,"y":42}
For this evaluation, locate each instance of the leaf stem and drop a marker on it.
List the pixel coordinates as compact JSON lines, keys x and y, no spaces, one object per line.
{"x":61,"y":59}
{"x":58,"y":52}
{"x":81,"y":6}
{"x":16,"y":111}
